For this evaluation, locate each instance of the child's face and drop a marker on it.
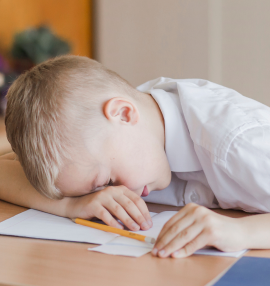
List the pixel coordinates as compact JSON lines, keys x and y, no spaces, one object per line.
{"x":122,"y":161}
{"x":131,"y":156}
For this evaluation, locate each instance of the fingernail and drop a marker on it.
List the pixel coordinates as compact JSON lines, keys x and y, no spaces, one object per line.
{"x":119,"y":226}
{"x":179,"y":253}
{"x":176,"y":254}
{"x":145,"y":225}
{"x":161,"y":253}
{"x":135,"y":226}
{"x":150,"y":223}
{"x":155,"y":251}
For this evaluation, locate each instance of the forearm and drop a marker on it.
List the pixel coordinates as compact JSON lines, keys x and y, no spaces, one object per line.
{"x":256,"y":231}
{"x":16,"y":189}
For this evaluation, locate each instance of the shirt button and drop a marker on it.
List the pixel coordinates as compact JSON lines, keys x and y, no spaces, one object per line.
{"x":194,"y":197}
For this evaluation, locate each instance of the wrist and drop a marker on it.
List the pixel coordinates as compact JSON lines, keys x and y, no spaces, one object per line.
{"x":69,"y":207}
{"x":244,"y":233}
{"x":256,"y":231}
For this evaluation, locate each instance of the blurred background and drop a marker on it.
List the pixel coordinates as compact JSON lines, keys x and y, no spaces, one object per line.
{"x":225,"y":41}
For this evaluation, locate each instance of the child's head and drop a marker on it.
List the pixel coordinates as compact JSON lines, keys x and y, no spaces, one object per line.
{"x":75,"y":125}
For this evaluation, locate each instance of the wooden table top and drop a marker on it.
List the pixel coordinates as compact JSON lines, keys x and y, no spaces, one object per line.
{"x":26,"y":261}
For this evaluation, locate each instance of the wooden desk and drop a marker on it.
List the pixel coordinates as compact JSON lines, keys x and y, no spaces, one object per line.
{"x":25,"y":261}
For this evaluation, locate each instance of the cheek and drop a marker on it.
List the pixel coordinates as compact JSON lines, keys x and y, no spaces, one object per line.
{"x":133,"y":178}
{"x":135,"y":170}
{"x":164,"y":177}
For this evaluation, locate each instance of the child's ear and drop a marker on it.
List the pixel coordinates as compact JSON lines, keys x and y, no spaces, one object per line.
{"x":121,"y":110}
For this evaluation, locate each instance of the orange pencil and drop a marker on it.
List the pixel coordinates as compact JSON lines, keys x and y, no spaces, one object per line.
{"x":114,"y":230}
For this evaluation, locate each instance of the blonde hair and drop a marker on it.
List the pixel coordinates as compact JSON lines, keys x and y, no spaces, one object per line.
{"x":39,"y":103}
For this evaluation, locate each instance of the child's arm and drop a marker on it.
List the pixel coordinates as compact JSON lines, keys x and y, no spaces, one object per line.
{"x":121,"y":202}
{"x":194,"y":227}
{"x":16,"y":189}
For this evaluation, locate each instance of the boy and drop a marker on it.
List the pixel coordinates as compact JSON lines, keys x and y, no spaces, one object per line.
{"x":82,"y":133}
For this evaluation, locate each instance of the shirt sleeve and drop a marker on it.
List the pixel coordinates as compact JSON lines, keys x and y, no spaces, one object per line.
{"x":198,"y":190}
{"x":248,"y":165}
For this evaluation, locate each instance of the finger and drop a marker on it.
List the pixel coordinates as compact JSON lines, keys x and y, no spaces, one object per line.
{"x":133,"y":211}
{"x":197,"y":243}
{"x":165,"y":237}
{"x":180,"y":240}
{"x":117,"y":210}
{"x":141,"y":205}
{"x":106,"y":217}
{"x":183,"y":212}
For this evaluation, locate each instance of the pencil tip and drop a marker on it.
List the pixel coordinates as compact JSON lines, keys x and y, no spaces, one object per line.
{"x":150,"y":240}
{"x":153,"y":241}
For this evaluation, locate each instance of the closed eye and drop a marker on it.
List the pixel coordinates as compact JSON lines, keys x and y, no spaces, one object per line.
{"x":110,"y":183}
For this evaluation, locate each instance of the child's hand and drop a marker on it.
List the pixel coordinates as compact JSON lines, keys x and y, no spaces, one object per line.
{"x":112,"y":201}
{"x":194,"y":227}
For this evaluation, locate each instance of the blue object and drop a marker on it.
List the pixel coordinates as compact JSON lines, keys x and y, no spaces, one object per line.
{"x":247,"y":271}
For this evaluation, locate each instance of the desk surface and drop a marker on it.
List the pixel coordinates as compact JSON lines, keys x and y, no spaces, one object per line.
{"x":25,"y":261}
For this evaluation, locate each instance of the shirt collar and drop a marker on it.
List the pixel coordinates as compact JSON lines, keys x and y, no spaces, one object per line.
{"x":179,"y":146}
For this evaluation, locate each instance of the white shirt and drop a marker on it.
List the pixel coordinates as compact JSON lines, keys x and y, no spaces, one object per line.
{"x":217,"y":143}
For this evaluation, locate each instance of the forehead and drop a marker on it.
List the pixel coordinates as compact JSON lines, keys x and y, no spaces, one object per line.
{"x":89,"y":161}
{"x":77,"y":176}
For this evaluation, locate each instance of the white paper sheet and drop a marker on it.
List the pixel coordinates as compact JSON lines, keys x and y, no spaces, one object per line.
{"x":131,"y":250}
{"x":125,"y":250}
{"x":37,"y":224}
{"x":130,"y":247}
{"x":216,"y":252}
